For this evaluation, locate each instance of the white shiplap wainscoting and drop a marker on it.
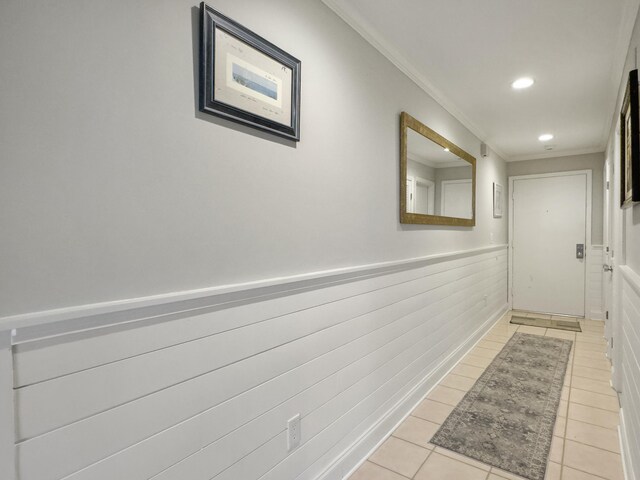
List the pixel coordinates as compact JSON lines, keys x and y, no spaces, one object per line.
{"x":201,"y":386}
{"x":594,"y":283}
{"x":630,"y":376}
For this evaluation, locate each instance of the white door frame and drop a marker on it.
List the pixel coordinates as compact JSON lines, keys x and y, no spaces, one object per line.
{"x":432,"y":192}
{"x":587,"y":246}
{"x":411,"y":191}
{"x":607,"y":237}
{"x":618,"y":258}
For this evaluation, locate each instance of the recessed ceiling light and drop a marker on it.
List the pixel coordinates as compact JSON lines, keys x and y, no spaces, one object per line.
{"x":446,"y":149}
{"x":546,"y":137}
{"x":524,"y":82}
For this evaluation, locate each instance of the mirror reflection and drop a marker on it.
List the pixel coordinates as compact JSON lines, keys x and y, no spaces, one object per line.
{"x":437,"y":184}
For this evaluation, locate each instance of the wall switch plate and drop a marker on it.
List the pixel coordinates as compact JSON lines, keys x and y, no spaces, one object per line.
{"x":293,"y":432}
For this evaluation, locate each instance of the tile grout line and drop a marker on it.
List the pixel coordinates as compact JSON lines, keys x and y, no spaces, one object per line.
{"x":593,"y":406}
{"x":592,"y":446}
{"x":409,"y":441}
{"x":588,"y":473}
{"x":595,"y":368}
{"x":566,"y":419}
{"x":592,"y":392}
{"x":590,"y":378}
{"x":437,"y":401}
{"x":425,"y":461}
{"x":592,"y":424}
{"x":388,"y":469}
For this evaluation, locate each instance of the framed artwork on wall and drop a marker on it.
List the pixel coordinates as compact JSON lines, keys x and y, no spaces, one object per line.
{"x":246,"y":79}
{"x":630,"y":144}
{"x":497,"y":200}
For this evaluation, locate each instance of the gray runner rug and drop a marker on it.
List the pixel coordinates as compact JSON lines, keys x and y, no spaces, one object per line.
{"x":507,"y":418}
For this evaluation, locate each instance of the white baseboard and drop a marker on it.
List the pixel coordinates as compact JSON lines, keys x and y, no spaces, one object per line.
{"x":627,"y":458}
{"x":358,"y":452}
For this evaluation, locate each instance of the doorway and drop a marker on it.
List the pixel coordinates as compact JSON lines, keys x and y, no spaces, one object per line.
{"x":607,"y":253}
{"x":549,"y":237}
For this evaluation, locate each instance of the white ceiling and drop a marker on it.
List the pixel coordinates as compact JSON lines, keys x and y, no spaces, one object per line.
{"x":466,"y":53}
{"x":427,"y":152}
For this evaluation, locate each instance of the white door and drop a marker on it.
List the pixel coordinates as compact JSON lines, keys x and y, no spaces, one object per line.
{"x":456,"y":198}
{"x":549,"y":221}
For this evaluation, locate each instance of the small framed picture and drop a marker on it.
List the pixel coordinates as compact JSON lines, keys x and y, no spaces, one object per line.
{"x":497,"y":200}
{"x":630,"y":144}
{"x":246,"y":79}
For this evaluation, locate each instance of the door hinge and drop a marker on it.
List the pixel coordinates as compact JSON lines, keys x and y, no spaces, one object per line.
{"x":611,"y":343}
{"x":607,"y":185}
{"x":606,"y":315}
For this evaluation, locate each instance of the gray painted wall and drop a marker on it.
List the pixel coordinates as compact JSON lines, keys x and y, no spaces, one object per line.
{"x":593,"y":162}
{"x":417,"y":169}
{"x":113,"y":186}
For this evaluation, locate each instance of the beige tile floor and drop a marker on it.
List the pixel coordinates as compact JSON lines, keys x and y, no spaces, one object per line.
{"x":585,"y":443}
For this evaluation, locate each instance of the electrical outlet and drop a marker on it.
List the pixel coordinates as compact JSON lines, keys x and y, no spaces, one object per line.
{"x":293,"y":432}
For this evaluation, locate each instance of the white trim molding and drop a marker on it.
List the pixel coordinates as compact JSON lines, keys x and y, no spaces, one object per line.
{"x":594,"y":291}
{"x":152,"y":309}
{"x":555,"y":154}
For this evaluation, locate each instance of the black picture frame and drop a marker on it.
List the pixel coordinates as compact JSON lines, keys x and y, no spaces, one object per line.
{"x":630,"y":144}
{"x":246,"y":79}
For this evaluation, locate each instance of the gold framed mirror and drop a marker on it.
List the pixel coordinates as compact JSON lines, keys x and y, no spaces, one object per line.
{"x":437,"y":178}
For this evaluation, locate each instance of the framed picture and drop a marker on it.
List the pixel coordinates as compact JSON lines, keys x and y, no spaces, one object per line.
{"x":497,"y":200}
{"x":630,"y":144}
{"x":246,"y":79}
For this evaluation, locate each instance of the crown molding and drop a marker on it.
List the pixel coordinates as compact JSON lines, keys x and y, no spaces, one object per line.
{"x":556,"y":154}
{"x":373,"y":37}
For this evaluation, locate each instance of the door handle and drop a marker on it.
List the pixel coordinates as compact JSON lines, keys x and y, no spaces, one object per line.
{"x":607,"y":268}
{"x":579,"y":250}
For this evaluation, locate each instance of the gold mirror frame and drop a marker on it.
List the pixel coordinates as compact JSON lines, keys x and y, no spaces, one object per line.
{"x":407,"y":121}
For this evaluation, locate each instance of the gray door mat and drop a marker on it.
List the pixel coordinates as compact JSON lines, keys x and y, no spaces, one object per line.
{"x":571,"y":325}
